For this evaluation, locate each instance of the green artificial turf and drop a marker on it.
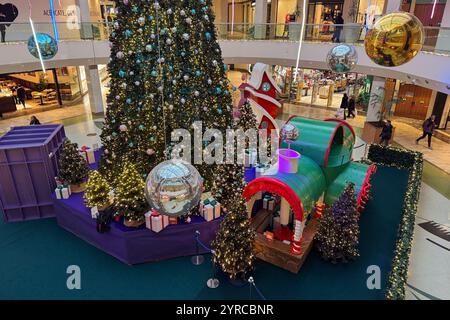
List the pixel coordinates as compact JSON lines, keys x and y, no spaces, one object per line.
{"x":34,"y":256}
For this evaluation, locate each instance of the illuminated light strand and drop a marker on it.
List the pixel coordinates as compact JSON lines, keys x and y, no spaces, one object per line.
{"x":432,"y":11}
{"x":37,"y":45}
{"x":302,"y":29}
{"x":52,"y":13}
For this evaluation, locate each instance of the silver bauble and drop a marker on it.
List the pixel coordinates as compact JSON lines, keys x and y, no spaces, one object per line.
{"x":173,"y":187}
{"x":342,"y":58}
{"x":289,"y":132}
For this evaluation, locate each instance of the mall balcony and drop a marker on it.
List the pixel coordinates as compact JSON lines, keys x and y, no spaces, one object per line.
{"x":77,"y":81}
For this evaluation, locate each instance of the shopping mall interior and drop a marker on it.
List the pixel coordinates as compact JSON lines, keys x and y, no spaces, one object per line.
{"x":275,"y":52}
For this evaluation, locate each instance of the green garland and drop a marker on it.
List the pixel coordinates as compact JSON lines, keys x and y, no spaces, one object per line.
{"x":413,"y":162}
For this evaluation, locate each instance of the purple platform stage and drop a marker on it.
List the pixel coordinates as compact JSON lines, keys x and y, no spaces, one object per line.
{"x":131,"y":245}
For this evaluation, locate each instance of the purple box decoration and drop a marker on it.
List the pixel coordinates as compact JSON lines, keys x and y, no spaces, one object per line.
{"x":28,"y":166}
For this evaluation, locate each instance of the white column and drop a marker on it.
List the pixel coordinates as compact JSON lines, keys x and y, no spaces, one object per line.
{"x":376,"y":99}
{"x":443,"y":42}
{"x":284,"y":212}
{"x":94,"y":89}
{"x":431,"y":103}
{"x":85,"y":16}
{"x":392,"y":5}
{"x":260,"y":19}
{"x":445,"y":113}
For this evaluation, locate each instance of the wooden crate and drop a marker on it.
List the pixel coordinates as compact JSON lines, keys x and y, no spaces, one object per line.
{"x":279,"y":253}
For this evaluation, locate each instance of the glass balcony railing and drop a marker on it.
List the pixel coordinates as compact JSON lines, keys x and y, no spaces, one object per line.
{"x":437,"y":40}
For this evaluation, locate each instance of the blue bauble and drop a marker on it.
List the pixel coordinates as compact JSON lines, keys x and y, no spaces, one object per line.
{"x":205,"y":9}
{"x":122,"y":73}
{"x":47,"y":45}
{"x":193,"y":11}
{"x":170,"y":68}
{"x":158,"y":109}
{"x":131,"y":145}
{"x":141,"y":127}
{"x":198,"y":73}
{"x":208,"y":36}
{"x":183,"y":53}
{"x":128,"y":33}
{"x":154,"y":73}
{"x":138,"y":61}
{"x":150,"y":18}
{"x":202,"y":1}
{"x":114,"y":134}
{"x":219,"y":111}
{"x":225,"y":67}
{"x":135,"y":9}
{"x":128,"y":101}
{"x":218,"y":90}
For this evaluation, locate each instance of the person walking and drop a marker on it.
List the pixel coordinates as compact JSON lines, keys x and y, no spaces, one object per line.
{"x":339,"y":25}
{"x":386,"y":133}
{"x":34,"y":121}
{"x":21,"y":96}
{"x":351,"y":107}
{"x":428,"y":127}
{"x":344,"y":104}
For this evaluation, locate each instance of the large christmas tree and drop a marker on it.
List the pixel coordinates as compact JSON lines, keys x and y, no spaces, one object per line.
{"x":337,"y":238}
{"x":166,"y":72}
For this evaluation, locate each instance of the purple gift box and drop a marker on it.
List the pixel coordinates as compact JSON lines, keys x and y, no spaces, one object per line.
{"x":28,"y":165}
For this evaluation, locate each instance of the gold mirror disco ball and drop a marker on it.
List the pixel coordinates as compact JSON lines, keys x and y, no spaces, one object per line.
{"x":395,"y":39}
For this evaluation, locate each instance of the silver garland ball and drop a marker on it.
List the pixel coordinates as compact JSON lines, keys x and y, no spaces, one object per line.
{"x":342,"y":58}
{"x":141,"y":21}
{"x":173,"y":187}
{"x":289,"y":132}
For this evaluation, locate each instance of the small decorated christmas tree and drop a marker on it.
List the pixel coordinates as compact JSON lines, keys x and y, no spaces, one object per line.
{"x":130,"y":199}
{"x":337,"y":238}
{"x":73,"y":169}
{"x":247,"y":119}
{"x":234,"y":243}
{"x":97,"y":191}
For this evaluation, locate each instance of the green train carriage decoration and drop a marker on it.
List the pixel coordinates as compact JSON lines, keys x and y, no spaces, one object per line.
{"x":313,"y":168}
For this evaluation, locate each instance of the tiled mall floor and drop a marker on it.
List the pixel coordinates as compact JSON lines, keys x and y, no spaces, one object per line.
{"x":429,"y":275}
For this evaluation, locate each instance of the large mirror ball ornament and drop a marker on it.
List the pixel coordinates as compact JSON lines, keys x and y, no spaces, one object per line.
{"x":173,"y":187}
{"x":342,"y":58}
{"x":289,"y":132}
{"x":395,"y":39}
{"x":47,"y":45}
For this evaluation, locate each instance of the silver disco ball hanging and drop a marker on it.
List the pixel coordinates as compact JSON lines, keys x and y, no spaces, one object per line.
{"x":342,"y":58}
{"x":173,"y":187}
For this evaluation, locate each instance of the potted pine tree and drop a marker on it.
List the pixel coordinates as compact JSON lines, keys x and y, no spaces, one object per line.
{"x":129,"y":200}
{"x":73,"y":169}
{"x":97,"y":192}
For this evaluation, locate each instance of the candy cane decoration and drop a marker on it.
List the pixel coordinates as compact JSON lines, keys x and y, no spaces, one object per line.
{"x":298,"y":230}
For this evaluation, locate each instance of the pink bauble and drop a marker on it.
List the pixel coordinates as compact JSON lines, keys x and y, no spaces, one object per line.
{"x":123,"y":128}
{"x":125,"y":2}
{"x":150,"y":152}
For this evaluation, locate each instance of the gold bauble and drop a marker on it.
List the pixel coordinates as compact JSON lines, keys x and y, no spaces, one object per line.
{"x":395,"y":39}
